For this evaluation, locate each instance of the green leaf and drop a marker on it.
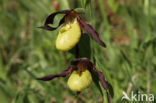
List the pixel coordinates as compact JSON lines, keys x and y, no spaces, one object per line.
{"x":84,"y":47}
{"x":96,"y":81}
{"x":80,"y":10}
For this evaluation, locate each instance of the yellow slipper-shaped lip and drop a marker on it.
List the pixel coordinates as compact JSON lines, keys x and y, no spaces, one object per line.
{"x":69,"y":35}
{"x":78,"y":82}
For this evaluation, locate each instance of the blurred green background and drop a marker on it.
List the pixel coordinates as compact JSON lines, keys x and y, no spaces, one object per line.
{"x":128,"y":27}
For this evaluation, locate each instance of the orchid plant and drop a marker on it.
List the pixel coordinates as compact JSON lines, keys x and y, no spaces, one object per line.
{"x":81,"y":69}
{"x":71,"y":31}
{"x":80,"y":76}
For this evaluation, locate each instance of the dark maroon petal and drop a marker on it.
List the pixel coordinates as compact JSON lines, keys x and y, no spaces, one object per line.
{"x":62,"y":74}
{"x":47,"y":27}
{"x":108,"y":97}
{"x":103,"y":82}
{"x":92,"y":32}
{"x":101,"y":78}
{"x":50,"y":20}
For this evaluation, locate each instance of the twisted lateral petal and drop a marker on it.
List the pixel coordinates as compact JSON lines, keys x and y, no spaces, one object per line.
{"x":92,"y":32}
{"x":108,"y":97}
{"x":47,"y":27}
{"x":103,"y":83}
{"x":50,"y":20}
{"x":62,"y":74}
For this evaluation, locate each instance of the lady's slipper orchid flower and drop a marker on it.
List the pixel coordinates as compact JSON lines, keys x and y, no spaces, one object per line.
{"x":71,"y":31}
{"x":80,"y":78}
